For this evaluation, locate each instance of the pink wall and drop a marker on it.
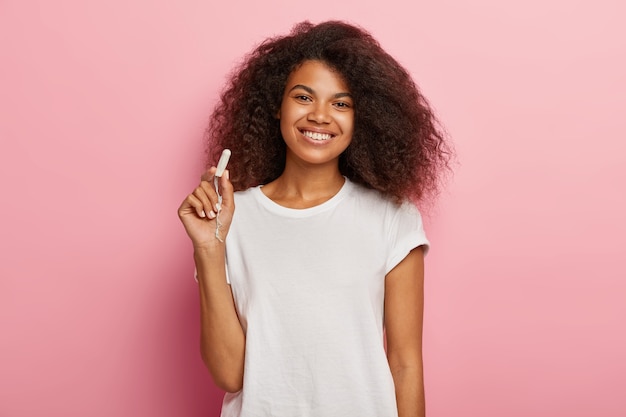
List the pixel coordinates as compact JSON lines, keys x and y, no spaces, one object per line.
{"x":102,"y":106}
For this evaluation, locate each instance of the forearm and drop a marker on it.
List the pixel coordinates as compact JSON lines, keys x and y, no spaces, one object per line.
{"x":222,"y":337}
{"x":404,"y":300}
{"x":409,"y":383}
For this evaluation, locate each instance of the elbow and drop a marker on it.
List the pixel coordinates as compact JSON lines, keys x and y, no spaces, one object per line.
{"x":226,"y":379}
{"x":231,"y":386}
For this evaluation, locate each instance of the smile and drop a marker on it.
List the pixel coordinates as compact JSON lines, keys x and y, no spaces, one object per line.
{"x":316,"y":135}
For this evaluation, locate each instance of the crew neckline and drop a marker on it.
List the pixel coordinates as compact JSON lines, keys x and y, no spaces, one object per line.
{"x":274,"y":207}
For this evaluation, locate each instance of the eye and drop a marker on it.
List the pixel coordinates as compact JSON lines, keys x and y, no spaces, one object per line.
{"x":342,"y":105}
{"x":302,"y":97}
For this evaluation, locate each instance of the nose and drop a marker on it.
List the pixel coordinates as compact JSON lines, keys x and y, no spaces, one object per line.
{"x":319,"y":114}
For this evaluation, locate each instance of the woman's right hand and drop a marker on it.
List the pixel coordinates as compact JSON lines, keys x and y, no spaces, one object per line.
{"x":198,"y":211}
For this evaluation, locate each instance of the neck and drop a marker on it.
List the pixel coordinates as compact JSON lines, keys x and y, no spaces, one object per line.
{"x":304,"y":187}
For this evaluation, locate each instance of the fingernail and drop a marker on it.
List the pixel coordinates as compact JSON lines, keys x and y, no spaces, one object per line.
{"x":202,"y":214}
{"x":211,"y":214}
{"x":218,"y":207}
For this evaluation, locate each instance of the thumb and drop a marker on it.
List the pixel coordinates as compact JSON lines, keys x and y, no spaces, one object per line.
{"x":228,"y":199}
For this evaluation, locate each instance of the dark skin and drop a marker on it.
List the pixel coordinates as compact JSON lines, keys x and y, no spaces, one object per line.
{"x":317,"y":120}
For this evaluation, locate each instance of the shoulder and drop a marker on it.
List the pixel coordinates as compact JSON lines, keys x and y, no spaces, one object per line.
{"x":360,"y":193}
{"x":374,"y":201}
{"x":245,"y":195}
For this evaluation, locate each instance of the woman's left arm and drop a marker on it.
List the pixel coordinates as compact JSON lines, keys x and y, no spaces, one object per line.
{"x":404,"y":306}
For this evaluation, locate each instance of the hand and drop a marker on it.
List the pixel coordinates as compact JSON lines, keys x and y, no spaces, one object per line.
{"x":198,"y":211}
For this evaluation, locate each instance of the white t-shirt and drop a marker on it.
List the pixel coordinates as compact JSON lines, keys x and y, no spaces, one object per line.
{"x":309,"y":287}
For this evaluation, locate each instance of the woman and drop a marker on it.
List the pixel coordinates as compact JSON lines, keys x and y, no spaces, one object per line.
{"x":332,"y":146}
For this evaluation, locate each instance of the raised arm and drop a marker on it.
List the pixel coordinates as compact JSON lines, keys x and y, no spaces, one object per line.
{"x":222,"y":342}
{"x":404,"y":305}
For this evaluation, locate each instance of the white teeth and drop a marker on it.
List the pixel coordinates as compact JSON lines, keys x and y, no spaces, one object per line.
{"x":317,"y":136}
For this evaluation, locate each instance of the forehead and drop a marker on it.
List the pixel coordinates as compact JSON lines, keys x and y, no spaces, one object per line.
{"x":317,"y":75}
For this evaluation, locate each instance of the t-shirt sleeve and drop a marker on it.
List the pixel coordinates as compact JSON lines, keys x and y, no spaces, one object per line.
{"x":406,"y":232}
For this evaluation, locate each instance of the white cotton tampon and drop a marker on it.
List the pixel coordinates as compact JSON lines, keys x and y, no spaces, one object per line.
{"x":221,"y":165}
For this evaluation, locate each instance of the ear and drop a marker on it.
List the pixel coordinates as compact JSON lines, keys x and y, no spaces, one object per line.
{"x":278,"y":114}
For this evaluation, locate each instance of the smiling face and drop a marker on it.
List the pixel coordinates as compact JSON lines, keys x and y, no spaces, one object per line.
{"x":316,"y":115}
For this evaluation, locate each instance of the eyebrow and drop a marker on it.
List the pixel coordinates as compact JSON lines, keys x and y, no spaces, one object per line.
{"x":310,"y":91}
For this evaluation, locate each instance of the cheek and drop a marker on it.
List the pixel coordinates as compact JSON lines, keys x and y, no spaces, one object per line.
{"x":290,"y":114}
{"x":287,"y":120}
{"x":347,"y":123}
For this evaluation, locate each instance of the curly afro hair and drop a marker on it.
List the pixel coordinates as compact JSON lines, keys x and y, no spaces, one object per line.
{"x":397,"y":146}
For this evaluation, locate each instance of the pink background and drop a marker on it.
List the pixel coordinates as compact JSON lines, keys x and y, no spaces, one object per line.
{"x":102,"y":107}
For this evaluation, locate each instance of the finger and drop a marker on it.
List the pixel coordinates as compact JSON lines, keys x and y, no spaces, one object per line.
{"x":208,"y":174}
{"x":193,"y":202}
{"x":209,"y":189}
{"x":207,"y":205}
